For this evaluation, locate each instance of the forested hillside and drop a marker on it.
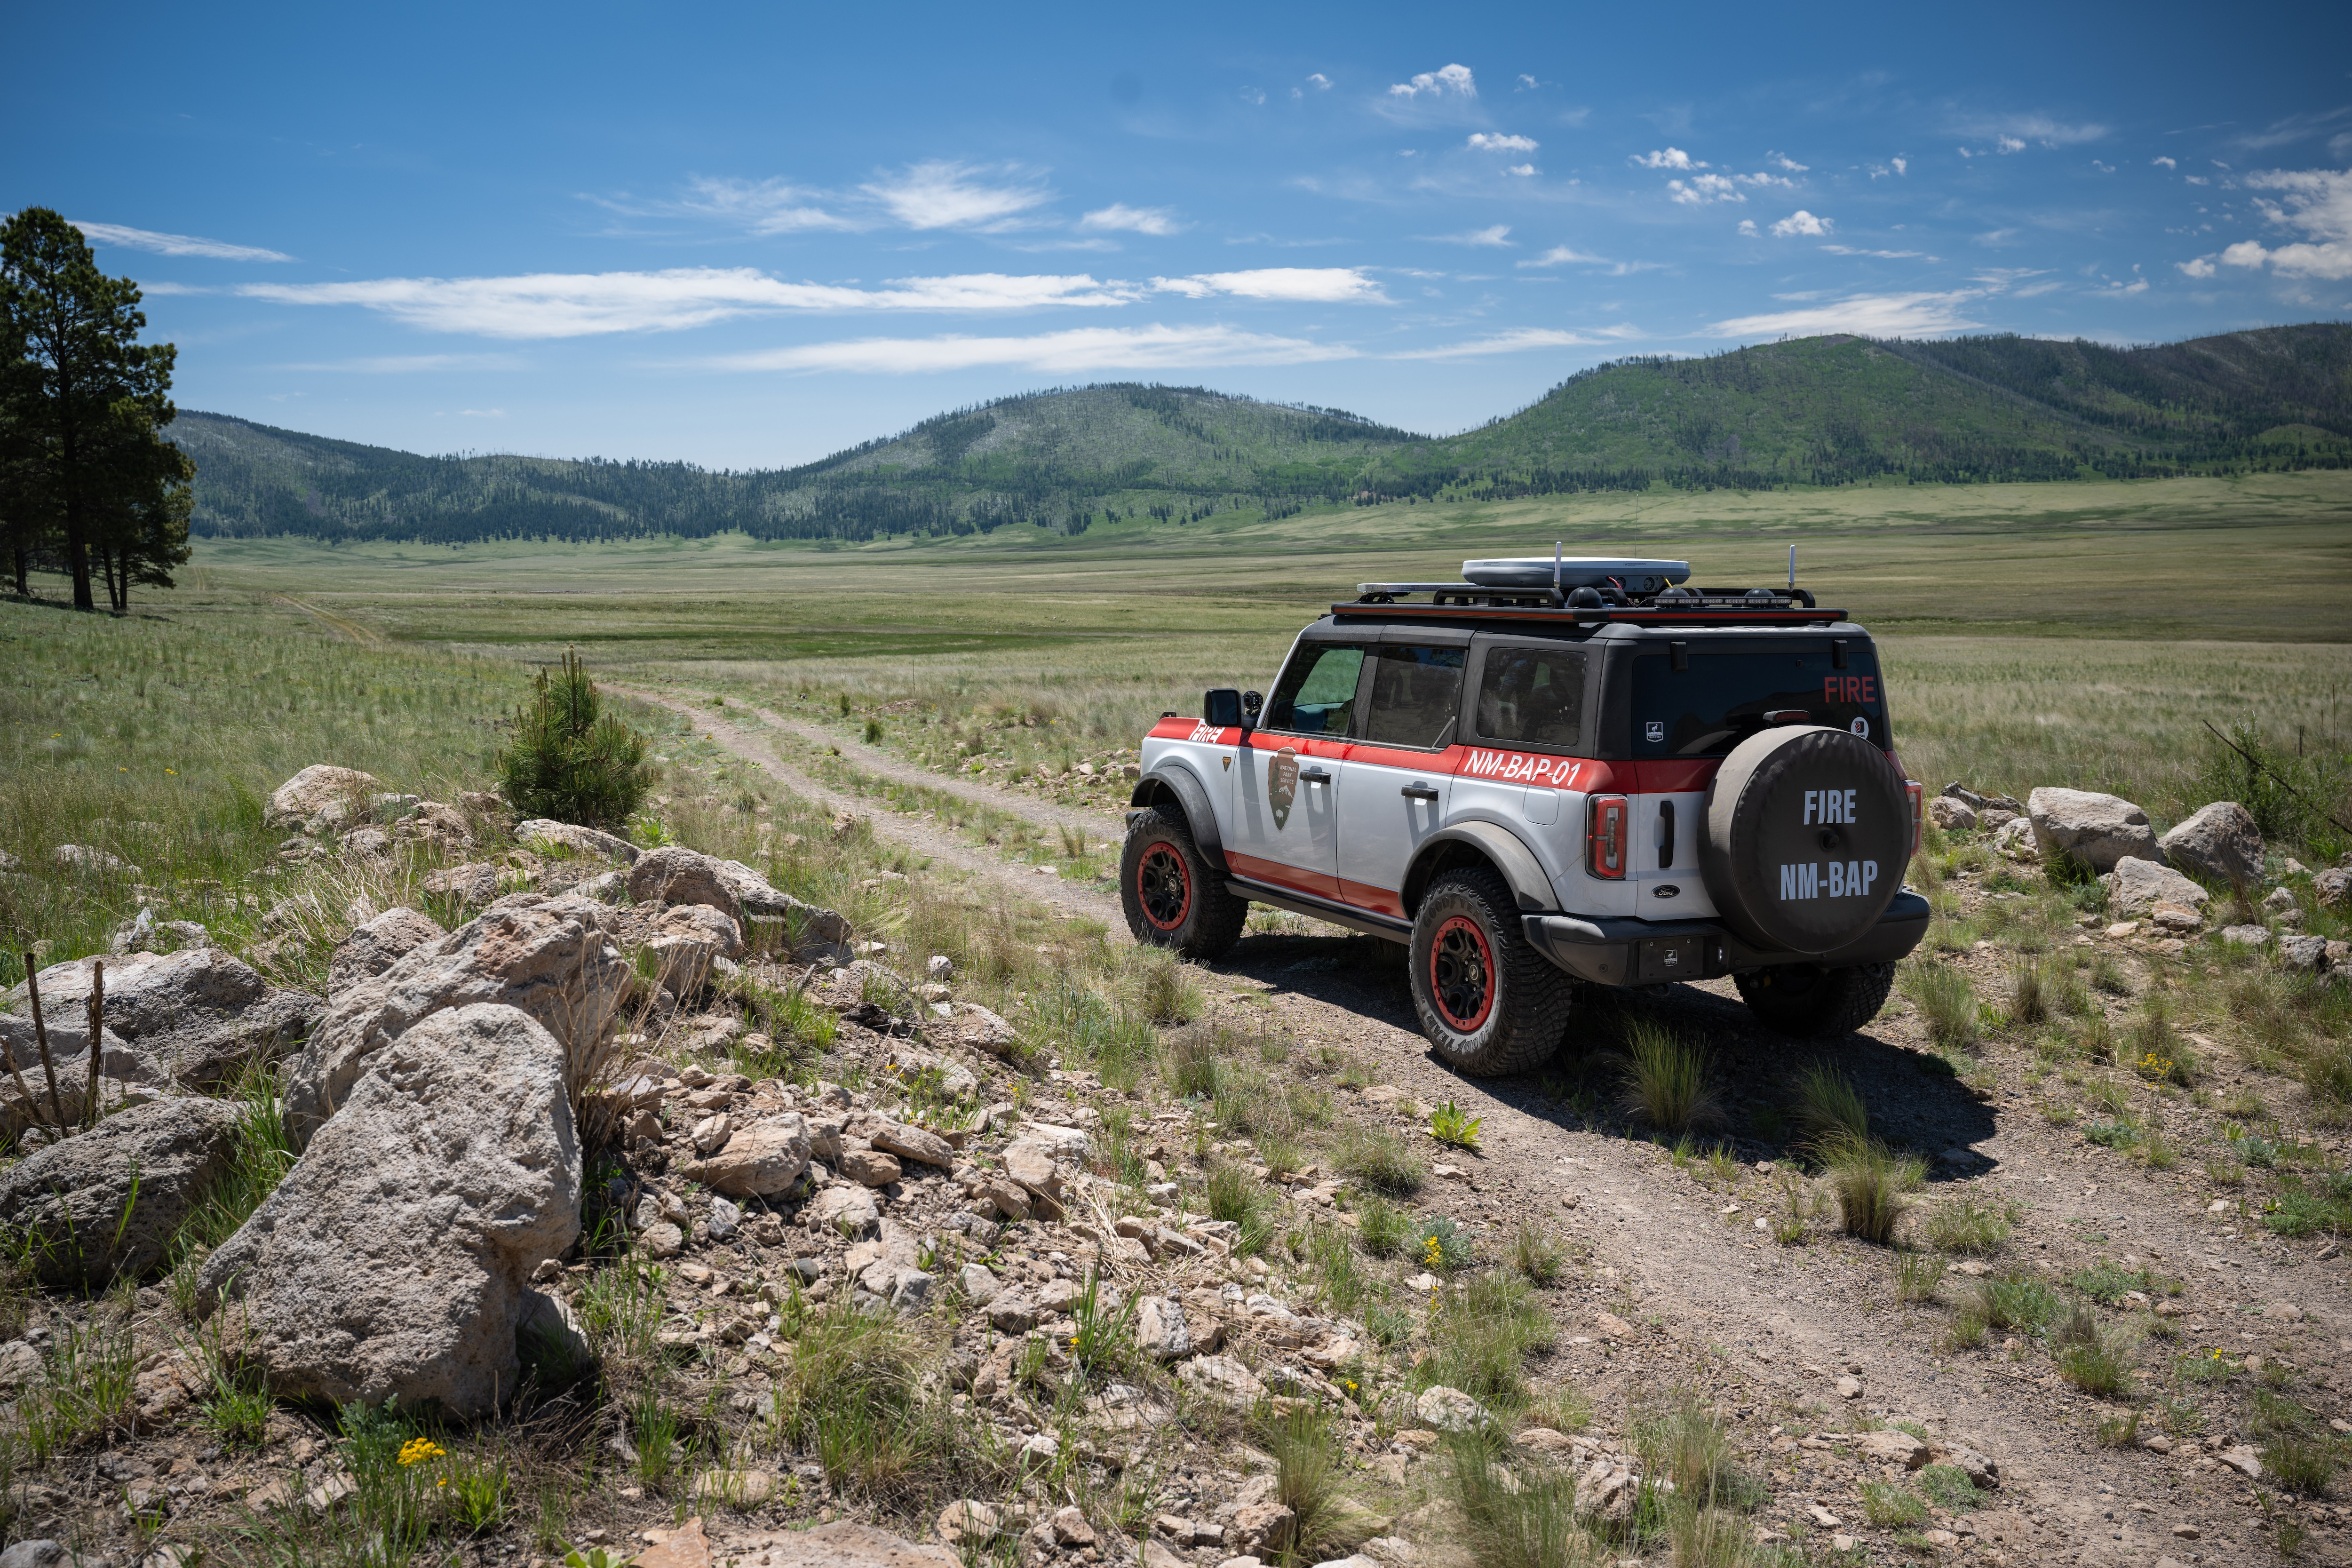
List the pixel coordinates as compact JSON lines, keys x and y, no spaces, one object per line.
{"x":1816,"y":411}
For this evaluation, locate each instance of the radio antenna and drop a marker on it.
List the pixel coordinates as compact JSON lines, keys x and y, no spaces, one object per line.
{"x":1792,"y":568}
{"x":1555,"y":568}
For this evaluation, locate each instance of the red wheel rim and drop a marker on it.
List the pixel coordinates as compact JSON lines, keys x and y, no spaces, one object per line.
{"x":1164,"y":887}
{"x":1462,"y":975}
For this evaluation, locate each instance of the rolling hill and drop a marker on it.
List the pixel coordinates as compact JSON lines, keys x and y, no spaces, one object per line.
{"x":1807,"y":412}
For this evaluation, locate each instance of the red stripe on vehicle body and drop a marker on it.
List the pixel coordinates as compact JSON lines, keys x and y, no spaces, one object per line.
{"x":1275,"y":874}
{"x":1364,"y":896}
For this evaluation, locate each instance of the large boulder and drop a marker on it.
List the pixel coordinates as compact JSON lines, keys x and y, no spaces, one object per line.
{"x":107,"y":1201}
{"x":2096,"y":829}
{"x":378,"y":944}
{"x":553,"y":958}
{"x":542,"y":833}
{"x":126,"y":1075}
{"x":2220,"y":843}
{"x":201,"y":1012}
{"x":395,"y":1258}
{"x":2333,"y":889}
{"x":807,"y":923}
{"x":2135,"y":887}
{"x":320,"y":797}
{"x":672,"y":875}
{"x":762,"y":1160}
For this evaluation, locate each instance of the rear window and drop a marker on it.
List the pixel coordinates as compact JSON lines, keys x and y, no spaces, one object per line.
{"x":1417,"y":696}
{"x":1725,"y":697}
{"x":1532,"y":695}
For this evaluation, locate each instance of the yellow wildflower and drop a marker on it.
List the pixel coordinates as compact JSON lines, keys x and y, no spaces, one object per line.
{"x":420,"y":1450}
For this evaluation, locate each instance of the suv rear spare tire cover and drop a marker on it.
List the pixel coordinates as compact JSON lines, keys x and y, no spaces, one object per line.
{"x":1807,"y":833}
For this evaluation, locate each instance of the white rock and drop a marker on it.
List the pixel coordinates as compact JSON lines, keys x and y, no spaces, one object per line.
{"x":1449,"y":1410}
{"x":2096,"y":829}
{"x":1160,"y":1331}
{"x":107,"y":1201}
{"x":2220,"y":842}
{"x":377,"y":945}
{"x":541,"y":830}
{"x":2135,"y":886}
{"x":320,"y":797}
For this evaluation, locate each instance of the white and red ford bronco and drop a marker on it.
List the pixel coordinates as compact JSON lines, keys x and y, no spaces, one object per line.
{"x":1553,"y":773}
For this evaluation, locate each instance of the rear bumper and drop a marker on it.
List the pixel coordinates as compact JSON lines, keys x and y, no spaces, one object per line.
{"x":1649,"y":953}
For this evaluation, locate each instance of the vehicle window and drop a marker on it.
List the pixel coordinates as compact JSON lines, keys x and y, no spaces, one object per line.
{"x":1316,"y":695}
{"x":1417,"y":696}
{"x":1724,"y":697}
{"x":1532,"y":695}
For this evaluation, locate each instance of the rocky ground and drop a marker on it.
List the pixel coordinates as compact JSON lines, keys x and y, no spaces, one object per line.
{"x":1196,"y":1297}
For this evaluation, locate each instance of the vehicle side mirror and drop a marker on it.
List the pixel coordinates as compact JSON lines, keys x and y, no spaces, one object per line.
{"x":1221,"y":708}
{"x":1251,"y":703}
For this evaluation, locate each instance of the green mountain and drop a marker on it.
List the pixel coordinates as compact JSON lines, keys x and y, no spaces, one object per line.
{"x":1814,"y":411}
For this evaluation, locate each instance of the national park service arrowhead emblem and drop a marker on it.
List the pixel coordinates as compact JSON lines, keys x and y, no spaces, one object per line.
{"x":1282,"y":784}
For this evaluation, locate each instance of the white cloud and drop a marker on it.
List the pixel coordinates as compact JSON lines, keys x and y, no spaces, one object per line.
{"x":1527,"y":83}
{"x":2163,"y":164}
{"x":1523,"y":338}
{"x":1454,"y":79}
{"x":1137,"y":220}
{"x":938,"y":194}
{"x":2202,"y":267}
{"x":1882,"y":255}
{"x":174,"y":244}
{"x":1498,"y":143}
{"x":1668,"y":158}
{"x":1873,"y":315}
{"x":1766,"y":180}
{"x":1702,"y":188}
{"x":1499,"y":234}
{"x":483,"y":413}
{"x":1299,"y":285}
{"x":2009,"y":145}
{"x":762,"y":206}
{"x":1748,"y":228}
{"x":2318,"y":203}
{"x":1567,"y":256}
{"x":2020,"y":129}
{"x":566,"y":305}
{"x":2196,"y":180}
{"x":1524,"y":170}
{"x":1785,"y":162}
{"x":2102,"y":168}
{"x":1081,"y":349}
{"x":1255,"y":95}
{"x":1902,"y":166}
{"x":2136,"y":286}
{"x":1801,"y":222}
{"x":1319,"y":82}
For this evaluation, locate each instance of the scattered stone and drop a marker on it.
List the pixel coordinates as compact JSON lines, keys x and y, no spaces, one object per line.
{"x":2306,"y":953}
{"x":1449,"y":1410}
{"x":762,"y":1160}
{"x":476,"y":883}
{"x":979,"y":1285}
{"x":1849,"y":1387}
{"x":1160,"y":1331}
{"x":1222,"y":1375}
{"x":2016,"y":841}
{"x":684,"y":1547}
{"x":844,"y":1210}
{"x":841,"y":1544}
{"x":2096,"y":829}
{"x":2334,"y":890}
{"x":107,"y":1201}
{"x":913,"y":1143}
{"x":393,"y":1258}
{"x":376,"y":946}
{"x":734,"y":1489}
{"x":674,"y":875}
{"x":970,"y":1523}
{"x":1615,"y":1327}
{"x":2282,"y":1312}
{"x":1260,"y":1530}
{"x":2243,"y":1460}
{"x":1952,"y":814}
{"x":1894,"y":1447}
{"x":540,"y":830}
{"x":320,"y":797}
{"x":2136,"y":886}
{"x":1979,"y":1469}
{"x":2176,"y":920}
{"x":2246,"y":935}
{"x":870,"y":1167}
{"x":2220,"y":843}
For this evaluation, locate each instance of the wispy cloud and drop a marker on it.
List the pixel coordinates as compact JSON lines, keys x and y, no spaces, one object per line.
{"x":1297,"y":285}
{"x":1702,"y":188}
{"x":1319,"y":82}
{"x":1499,"y":234}
{"x":1781,"y":159}
{"x":1485,"y":142}
{"x":1155,"y":347}
{"x":174,"y":244}
{"x":1882,"y":255}
{"x":1569,"y":255}
{"x":2043,"y":129}
{"x":762,"y":206}
{"x":410,"y":364}
{"x":1871,"y":315}
{"x":2163,"y":164}
{"x":2319,"y":205}
{"x":1665,"y":158}
{"x":566,"y":305}
{"x":2292,"y":129}
{"x":1520,"y":338}
{"x":1118,"y":216}
{"x":1801,"y":222}
{"x":1447,"y":79}
{"x":939,"y":194}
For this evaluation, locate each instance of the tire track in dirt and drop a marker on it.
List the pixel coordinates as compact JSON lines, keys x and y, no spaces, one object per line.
{"x":1711,"y":1302}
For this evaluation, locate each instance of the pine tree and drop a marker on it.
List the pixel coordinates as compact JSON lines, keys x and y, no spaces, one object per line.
{"x":569,"y":760}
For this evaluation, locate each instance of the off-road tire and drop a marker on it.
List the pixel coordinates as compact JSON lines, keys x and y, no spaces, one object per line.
{"x":1813,"y":1002}
{"x":1172,"y":897}
{"x":1515,"y":1019}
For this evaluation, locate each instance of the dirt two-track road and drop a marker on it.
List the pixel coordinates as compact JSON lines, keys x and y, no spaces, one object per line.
{"x":1681,"y":1287}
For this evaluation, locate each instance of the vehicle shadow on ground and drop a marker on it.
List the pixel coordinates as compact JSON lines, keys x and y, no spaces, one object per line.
{"x":1915,"y":1101}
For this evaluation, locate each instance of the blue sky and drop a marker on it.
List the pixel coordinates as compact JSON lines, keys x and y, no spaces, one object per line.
{"x":751,"y":236}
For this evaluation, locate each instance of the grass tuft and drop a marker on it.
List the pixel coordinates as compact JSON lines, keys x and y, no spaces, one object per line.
{"x":1872,"y":1182}
{"x":1666,"y":1079}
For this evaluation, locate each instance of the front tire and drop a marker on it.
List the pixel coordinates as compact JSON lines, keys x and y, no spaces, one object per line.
{"x":1813,"y":1002}
{"x":1487,"y":1000}
{"x":1171,"y":896}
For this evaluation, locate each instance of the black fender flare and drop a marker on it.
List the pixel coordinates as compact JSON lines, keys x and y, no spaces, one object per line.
{"x":1175,"y":781}
{"x":1499,"y":846}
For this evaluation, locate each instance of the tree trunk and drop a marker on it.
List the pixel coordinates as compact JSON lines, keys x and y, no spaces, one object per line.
{"x":24,"y":565}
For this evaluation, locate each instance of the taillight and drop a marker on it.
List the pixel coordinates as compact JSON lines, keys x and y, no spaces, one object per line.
{"x":1604,"y":836}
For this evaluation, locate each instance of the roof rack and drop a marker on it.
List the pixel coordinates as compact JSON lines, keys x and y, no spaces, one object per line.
{"x":1675,"y":606}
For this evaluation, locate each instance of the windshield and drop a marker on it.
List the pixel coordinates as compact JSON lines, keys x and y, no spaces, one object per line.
{"x":1725,"y":697}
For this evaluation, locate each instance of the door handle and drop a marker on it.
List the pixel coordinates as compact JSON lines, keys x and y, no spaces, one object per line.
{"x":1418,"y":792}
{"x":1314,"y":775}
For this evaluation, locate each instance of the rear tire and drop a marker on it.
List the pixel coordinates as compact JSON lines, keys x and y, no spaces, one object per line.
{"x":1172,"y":897}
{"x":1813,"y":1002}
{"x":1487,"y":1000}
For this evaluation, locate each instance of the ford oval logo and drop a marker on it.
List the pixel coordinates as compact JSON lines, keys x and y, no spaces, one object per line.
{"x":1666,"y":890}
